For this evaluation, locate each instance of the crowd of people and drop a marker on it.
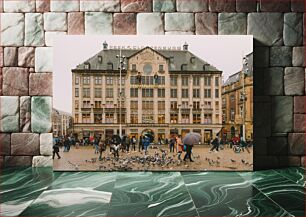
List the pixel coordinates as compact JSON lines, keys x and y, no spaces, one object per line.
{"x":126,"y":144}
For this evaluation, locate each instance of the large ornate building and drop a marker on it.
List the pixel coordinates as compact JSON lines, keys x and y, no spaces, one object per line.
{"x":237,"y":102}
{"x":61,"y":123}
{"x":164,"y":91}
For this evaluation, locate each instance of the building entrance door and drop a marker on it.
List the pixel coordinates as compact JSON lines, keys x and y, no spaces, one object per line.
{"x":207,"y":136}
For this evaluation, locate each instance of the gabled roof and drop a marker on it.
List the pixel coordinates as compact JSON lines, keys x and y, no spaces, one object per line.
{"x":179,"y":57}
{"x":248,"y":70}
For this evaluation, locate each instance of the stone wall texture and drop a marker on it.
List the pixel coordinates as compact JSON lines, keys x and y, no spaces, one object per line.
{"x":27,"y":28}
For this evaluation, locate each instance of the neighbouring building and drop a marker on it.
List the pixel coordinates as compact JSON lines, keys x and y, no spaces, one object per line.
{"x":237,"y":108}
{"x":61,"y":123}
{"x":164,"y":91}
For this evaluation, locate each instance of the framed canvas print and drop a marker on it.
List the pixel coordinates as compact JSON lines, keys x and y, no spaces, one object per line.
{"x":153,"y":103}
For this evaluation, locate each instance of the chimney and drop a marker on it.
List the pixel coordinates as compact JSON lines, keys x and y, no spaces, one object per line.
{"x":105,"y":46}
{"x":185,"y":47}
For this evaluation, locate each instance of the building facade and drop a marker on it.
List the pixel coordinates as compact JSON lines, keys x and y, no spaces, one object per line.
{"x":163,"y":92}
{"x":61,"y":123}
{"x":237,"y":102}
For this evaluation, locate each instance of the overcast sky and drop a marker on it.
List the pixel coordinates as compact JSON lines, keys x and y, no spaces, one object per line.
{"x":223,"y":52}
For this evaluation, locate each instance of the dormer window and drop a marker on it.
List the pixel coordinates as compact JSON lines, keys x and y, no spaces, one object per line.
{"x":87,"y":66}
{"x":205,"y":67}
{"x":100,"y":59}
{"x":184,"y":67}
{"x":161,"y":68}
{"x":134,"y":68}
{"x":109,"y":66}
{"x":171,"y":59}
{"x":192,"y":59}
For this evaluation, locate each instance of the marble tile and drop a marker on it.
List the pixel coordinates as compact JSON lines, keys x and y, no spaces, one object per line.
{"x":227,"y":194}
{"x":283,"y":191}
{"x":20,"y":187}
{"x":296,"y":174}
{"x":151,"y":194}
{"x":75,"y":194}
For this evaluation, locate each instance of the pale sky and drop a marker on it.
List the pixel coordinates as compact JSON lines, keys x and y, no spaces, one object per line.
{"x":223,"y":52}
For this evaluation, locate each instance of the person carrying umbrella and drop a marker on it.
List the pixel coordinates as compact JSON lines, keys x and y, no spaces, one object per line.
{"x":180,"y":146}
{"x":189,"y":140}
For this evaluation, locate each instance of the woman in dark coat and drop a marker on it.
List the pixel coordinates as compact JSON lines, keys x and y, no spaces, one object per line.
{"x":55,"y":151}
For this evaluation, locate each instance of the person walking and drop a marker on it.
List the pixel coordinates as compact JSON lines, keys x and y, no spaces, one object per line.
{"x":128,"y":142}
{"x":215,"y":144}
{"x":133,"y":143}
{"x":140,"y":144}
{"x":188,"y":152}
{"x":66,"y":144}
{"x":102,"y":148}
{"x":171,"y":145}
{"x":96,"y":144}
{"x":180,"y":146}
{"x":56,"y":151}
{"x":146,"y":143}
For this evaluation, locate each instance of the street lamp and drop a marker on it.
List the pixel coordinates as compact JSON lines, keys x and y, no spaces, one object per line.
{"x":243,"y":71}
{"x":120,"y":67}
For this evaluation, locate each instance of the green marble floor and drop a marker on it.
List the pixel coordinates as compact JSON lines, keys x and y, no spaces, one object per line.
{"x":41,"y":192}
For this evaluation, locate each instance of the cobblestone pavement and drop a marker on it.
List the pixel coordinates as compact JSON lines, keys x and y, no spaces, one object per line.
{"x":84,"y":158}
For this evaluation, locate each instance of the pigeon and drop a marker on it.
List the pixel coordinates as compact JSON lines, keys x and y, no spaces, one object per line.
{"x":243,"y":161}
{"x":218,"y":158}
{"x":233,"y":161}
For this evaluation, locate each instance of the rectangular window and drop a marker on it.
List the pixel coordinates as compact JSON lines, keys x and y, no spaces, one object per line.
{"x":207,"y":104}
{"x":134,"y":118}
{"x":160,"y":80}
{"x":217,"y":105}
{"x":173,"y":104}
{"x":86,"y":118}
{"x":86,"y":92}
{"x":98,"y":80}
{"x":110,"y":66}
{"x":161,"y":68}
{"x":133,"y":92}
{"x":161,"y":118}
{"x":86,"y":80}
{"x":196,"y":105}
{"x":232,"y":114}
{"x":98,"y":104}
{"x":76,"y":93}
{"x":147,"y":93}
{"x":133,"y":80}
{"x":207,"y":93}
{"x":77,"y":80}
{"x":232,"y":98}
{"x":196,"y":118}
{"x":98,"y":118}
{"x":216,"y":93}
{"x":207,"y":80}
{"x":109,"y":93}
{"x":109,"y":80}
{"x":86,"y":104}
{"x":76,"y":104}
{"x":173,"y":80}
{"x":161,"y":105}
{"x":122,"y":81}
{"x":147,"y":105}
{"x":217,"y":81}
{"x":109,"y":104}
{"x":109,"y":118}
{"x":134,"y":68}
{"x":76,"y":118}
{"x":185,"y":119}
{"x":207,"y":118}
{"x":196,"y":80}
{"x":196,"y":93}
{"x":98,"y":92}
{"x":174,"y":118}
{"x":173,"y":93}
{"x":185,"y":81}
{"x":134,"y":105}
{"x":185,"y":105}
{"x":147,"y":118}
{"x":185,"y":93}
{"x":161,"y":93}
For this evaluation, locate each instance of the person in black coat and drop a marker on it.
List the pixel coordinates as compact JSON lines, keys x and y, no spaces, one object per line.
{"x":188,"y":153}
{"x":55,"y":151}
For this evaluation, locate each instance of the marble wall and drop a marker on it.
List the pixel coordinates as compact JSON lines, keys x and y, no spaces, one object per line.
{"x":27,"y":29}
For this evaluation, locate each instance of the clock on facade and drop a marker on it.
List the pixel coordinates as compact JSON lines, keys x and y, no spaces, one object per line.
{"x":147,"y":68}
